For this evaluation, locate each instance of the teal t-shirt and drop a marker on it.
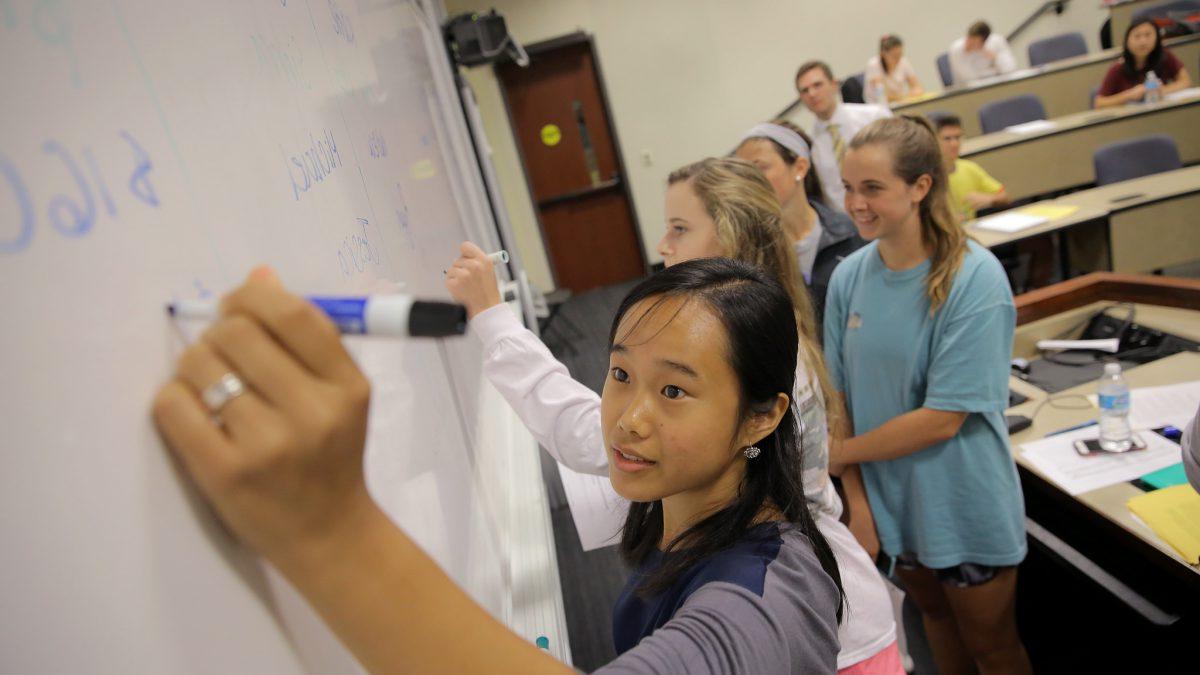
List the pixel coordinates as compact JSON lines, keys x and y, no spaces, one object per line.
{"x":960,"y":500}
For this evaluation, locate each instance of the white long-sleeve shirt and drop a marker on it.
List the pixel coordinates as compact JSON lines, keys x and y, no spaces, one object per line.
{"x":564,"y":416}
{"x":967,"y":67}
{"x":850,"y":118}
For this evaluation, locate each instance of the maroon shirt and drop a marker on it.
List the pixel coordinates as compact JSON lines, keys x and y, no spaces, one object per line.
{"x":1117,"y":80}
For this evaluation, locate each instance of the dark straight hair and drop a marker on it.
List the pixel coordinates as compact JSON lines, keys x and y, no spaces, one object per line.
{"x":760,"y":325}
{"x":1129,"y":63}
{"x":812,"y":182}
{"x":887,"y":42}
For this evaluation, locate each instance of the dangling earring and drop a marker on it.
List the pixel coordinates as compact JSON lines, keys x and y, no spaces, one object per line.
{"x":751,"y":452}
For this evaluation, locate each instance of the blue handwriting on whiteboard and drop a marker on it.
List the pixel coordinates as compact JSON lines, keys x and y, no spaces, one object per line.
{"x":53,"y":28}
{"x":341,"y":22}
{"x":73,"y":212}
{"x":377,"y":144}
{"x":283,"y":58}
{"x":402,"y":218}
{"x":25,"y":215}
{"x":357,"y":251}
{"x":313,"y":164}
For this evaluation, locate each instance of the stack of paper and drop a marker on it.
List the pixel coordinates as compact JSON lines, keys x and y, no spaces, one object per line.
{"x":1056,"y":458}
{"x":1174,"y":515}
{"x":1155,"y":407}
{"x":1011,"y":221}
{"x":598,"y":511}
{"x":1034,"y":127}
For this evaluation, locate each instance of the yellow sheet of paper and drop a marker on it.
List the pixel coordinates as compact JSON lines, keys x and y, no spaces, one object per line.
{"x":1049,"y":211}
{"x":1174,"y":514}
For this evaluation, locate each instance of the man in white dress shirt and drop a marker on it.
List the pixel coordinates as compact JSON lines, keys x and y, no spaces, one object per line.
{"x":837,"y":122}
{"x":980,"y":54}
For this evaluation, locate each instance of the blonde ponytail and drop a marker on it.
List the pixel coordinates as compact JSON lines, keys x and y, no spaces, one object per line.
{"x":749,"y":225}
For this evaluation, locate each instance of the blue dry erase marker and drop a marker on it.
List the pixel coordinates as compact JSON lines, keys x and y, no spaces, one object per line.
{"x":396,"y":315}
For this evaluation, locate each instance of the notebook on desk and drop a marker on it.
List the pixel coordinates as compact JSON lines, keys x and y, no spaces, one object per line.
{"x":1011,"y":221}
{"x":1174,"y":515}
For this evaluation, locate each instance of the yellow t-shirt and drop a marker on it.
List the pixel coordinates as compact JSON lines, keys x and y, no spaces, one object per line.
{"x":969,"y":177}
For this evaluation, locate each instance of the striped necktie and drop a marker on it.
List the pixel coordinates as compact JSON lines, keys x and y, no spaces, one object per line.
{"x":839,"y":146}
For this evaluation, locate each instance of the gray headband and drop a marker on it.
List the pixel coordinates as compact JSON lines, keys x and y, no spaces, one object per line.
{"x":781,"y":135}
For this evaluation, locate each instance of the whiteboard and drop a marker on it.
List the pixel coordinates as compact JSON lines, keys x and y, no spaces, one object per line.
{"x":155,"y":151}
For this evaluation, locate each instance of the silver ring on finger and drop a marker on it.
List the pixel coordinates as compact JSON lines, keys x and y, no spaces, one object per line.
{"x":218,"y":395}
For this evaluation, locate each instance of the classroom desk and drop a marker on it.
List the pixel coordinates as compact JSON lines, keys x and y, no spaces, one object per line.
{"x":1152,"y":223}
{"x":1099,"y":520}
{"x":1063,"y":86}
{"x":1032,"y":164}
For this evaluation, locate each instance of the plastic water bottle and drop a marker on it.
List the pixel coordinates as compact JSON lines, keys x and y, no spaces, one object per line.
{"x":1153,"y":88}
{"x":1115,"y":435}
{"x":881,"y":98}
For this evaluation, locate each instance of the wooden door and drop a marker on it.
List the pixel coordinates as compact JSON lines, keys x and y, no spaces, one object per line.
{"x":573,"y":165}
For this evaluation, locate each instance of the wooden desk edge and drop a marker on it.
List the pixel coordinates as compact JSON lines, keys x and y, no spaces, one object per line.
{"x":1090,"y":59}
{"x":1107,"y":286}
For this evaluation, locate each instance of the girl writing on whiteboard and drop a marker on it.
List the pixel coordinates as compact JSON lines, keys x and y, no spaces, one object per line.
{"x":716,"y":207}
{"x":918,"y":337}
{"x":731,"y":573}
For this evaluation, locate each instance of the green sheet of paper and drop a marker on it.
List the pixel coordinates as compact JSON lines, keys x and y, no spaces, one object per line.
{"x":1172,"y":475}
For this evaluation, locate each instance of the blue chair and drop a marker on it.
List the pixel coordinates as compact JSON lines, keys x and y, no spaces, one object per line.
{"x":934,"y":115}
{"x":1056,"y":48}
{"x":1137,"y":157}
{"x":852,"y":88}
{"x":1162,"y":10}
{"x":943,"y":65}
{"x":1006,"y":112}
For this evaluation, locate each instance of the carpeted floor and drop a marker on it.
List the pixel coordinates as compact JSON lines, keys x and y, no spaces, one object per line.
{"x":578,"y":336}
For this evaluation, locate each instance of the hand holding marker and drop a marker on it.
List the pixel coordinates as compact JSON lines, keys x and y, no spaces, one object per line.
{"x":497,"y":258}
{"x":397,"y":315}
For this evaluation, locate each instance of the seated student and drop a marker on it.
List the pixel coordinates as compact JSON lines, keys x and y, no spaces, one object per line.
{"x":890,"y":70}
{"x":971,"y":188}
{"x":837,"y":122}
{"x":980,"y":54}
{"x":1144,"y":52}
{"x":731,"y":574}
{"x":822,"y":236}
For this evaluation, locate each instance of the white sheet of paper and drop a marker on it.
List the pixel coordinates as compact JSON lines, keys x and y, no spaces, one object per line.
{"x":598,"y":511}
{"x":1154,"y":407}
{"x":1056,"y":458}
{"x":1190,"y":92}
{"x":1011,"y":221}
{"x":1031,"y":127}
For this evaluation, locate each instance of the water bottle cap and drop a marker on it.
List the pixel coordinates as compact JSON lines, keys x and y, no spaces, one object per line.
{"x":1112,"y":368}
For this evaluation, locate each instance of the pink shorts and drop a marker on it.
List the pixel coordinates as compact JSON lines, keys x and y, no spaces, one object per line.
{"x":884,"y":662}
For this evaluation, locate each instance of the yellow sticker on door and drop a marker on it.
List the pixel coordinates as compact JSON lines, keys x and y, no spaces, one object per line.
{"x":551,"y":135}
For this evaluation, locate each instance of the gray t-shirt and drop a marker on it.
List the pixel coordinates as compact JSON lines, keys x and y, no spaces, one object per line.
{"x":765,"y":606}
{"x":1191,"y":451}
{"x":806,"y":250}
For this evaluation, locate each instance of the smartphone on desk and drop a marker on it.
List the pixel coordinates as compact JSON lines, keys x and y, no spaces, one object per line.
{"x":1091,"y":447}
